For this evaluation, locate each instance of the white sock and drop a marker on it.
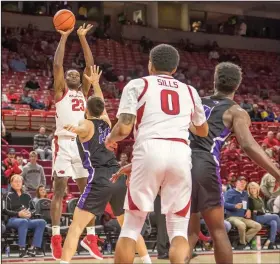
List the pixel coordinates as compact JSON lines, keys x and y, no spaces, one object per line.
{"x":146,"y":259}
{"x":91,"y":230}
{"x":55,"y":230}
{"x":63,"y":262}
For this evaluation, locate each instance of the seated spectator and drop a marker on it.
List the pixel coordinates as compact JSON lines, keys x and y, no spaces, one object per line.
{"x":237,"y":213}
{"x":27,"y":99}
{"x":120,"y":84}
{"x":232,"y":150}
{"x":246,"y":106}
{"x":276,"y":205}
{"x":269,"y":187}
{"x":5,"y":98}
{"x":255,"y":114}
{"x":231,"y":181}
{"x":21,"y":210}
{"x":263,"y":112}
{"x":33,"y":174}
{"x":123,"y":159}
{"x":213,"y":55}
{"x":41,"y":144}
{"x":256,"y":205}
{"x":12,"y":96}
{"x":271,"y":117}
{"x":270,"y":141}
{"x":10,"y":167}
{"x":17,"y":64}
{"x":40,"y":193}
{"x":32,"y":84}
{"x":66,"y":198}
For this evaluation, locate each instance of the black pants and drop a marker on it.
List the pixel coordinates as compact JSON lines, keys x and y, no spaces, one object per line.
{"x":162,"y":236}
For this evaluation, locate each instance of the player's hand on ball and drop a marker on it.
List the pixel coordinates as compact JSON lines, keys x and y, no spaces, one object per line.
{"x":83,"y":30}
{"x":65,"y":33}
{"x":110,"y":145}
{"x":94,"y":76}
{"x":70,"y":128}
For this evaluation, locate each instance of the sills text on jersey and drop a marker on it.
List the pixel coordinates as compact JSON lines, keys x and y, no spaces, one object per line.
{"x":168,"y":83}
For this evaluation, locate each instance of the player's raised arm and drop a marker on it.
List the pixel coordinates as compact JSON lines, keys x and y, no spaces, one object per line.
{"x":58,"y":71}
{"x":82,"y":31}
{"x":241,"y":124}
{"x":82,"y":130}
{"x":199,"y":125}
{"x":126,"y":113}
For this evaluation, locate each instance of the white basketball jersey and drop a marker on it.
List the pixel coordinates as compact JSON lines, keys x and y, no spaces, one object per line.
{"x":70,"y":109}
{"x":164,"y":107}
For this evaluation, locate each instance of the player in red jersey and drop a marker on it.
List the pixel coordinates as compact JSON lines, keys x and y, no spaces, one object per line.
{"x":70,"y":104}
{"x":162,"y":110}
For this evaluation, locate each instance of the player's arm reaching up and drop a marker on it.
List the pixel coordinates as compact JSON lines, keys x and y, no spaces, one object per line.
{"x":58,"y":71}
{"x":241,"y":123}
{"x":82,"y":31}
{"x":93,"y":79}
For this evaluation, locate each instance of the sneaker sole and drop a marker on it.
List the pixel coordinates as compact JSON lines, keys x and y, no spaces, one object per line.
{"x":53,"y":255}
{"x":85,"y":246}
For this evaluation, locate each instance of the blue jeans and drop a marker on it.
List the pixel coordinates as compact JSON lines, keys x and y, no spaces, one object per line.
{"x":22,"y":225}
{"x":273,"y":221}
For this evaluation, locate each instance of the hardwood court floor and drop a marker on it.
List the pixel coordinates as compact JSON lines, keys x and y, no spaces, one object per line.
{"x":248,"y":257}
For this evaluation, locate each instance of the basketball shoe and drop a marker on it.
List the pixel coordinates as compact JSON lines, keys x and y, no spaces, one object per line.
{"x":56,"y":247}
{"x":90,"y":244}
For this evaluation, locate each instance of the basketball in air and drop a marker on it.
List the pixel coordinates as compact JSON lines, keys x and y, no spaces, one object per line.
{"x":64,"y":20}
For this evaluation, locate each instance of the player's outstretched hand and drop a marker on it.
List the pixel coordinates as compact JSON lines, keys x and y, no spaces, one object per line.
{"x":125,"y":170}
{"x":83,"y":30}
{"x":95,"y":74}
{"x":70,"y":128}
{"x":110,"y":145}
{"x":65,"y":33}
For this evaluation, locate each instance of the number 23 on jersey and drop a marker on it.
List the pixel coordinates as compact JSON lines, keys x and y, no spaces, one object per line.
{"x":78,"y":105}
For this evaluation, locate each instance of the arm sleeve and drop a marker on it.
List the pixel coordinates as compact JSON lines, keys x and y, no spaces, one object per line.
{"x":130,"y":95}
{"x":43,"y":177}
{"x":227,"y":205}
{"x":198,"y":117}
{"x":9,"y":210}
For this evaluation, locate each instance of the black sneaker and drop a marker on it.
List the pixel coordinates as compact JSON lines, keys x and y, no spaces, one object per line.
{"x":271,"y":245}
{"x":23,"y":253}
{"x":35,"y":252}
{"x":240,"y":246}
{"x":164,"y":256}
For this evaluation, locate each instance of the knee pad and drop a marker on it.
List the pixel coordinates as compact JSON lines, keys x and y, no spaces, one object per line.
{"x":133,"y":224}
{"x":177,"y":226}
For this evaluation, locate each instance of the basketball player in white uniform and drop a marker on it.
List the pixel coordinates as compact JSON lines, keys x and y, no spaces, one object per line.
{"x":163,"y":109}
{"x":70,"y":105}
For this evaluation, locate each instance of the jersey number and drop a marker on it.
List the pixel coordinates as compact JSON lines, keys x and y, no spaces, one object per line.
{"x":170,"y":107}
{"x":78,"y":105}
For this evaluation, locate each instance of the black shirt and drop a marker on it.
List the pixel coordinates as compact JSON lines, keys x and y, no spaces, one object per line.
{"x":93,"y":153}
{"x":214,"y":108}
{"x":15,"y":203}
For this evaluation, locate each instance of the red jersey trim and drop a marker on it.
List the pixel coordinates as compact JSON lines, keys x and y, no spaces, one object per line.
{"x":65,"y":92}
{"x":175,"y":139}
{"x":191,"y":94}
{"x":144,"y":90}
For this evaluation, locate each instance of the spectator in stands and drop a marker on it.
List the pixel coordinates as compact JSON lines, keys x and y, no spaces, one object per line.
{"x":225,"y":56}
{"x":33,"y":174}
{"x":276,"y":205}
{"x":27,"y":99}
{"x":269,"y":187}
{"x":21,"y":161}
{"x":246,"y":106}
{"x":10,"y":167}
{"x":271,"y":117}
{"x":32,"y":84}
{"x":20,"y":208}
{"x":12,"y":96}
{"x":123,"y":159}
{"x":66,"y":198}
{"x":120,"y":84}
{"x":5,"y":98}
{"x":270,"y":141}
{"x":82,"y":12}
{"x":213,"y":55}
{"x":237,"y":213}
{"x":40,"y":193}
{"x":109,"y":220}
{"x":256,"y":205}
{"x":231,"y":181}
{"x":17,"y":64}
{"x":41,"y":144}
{"x":255,"y":114}
{"x":243,"y":29}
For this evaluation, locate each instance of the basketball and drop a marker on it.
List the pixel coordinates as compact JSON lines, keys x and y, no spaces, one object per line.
{"x":64,"y":20}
